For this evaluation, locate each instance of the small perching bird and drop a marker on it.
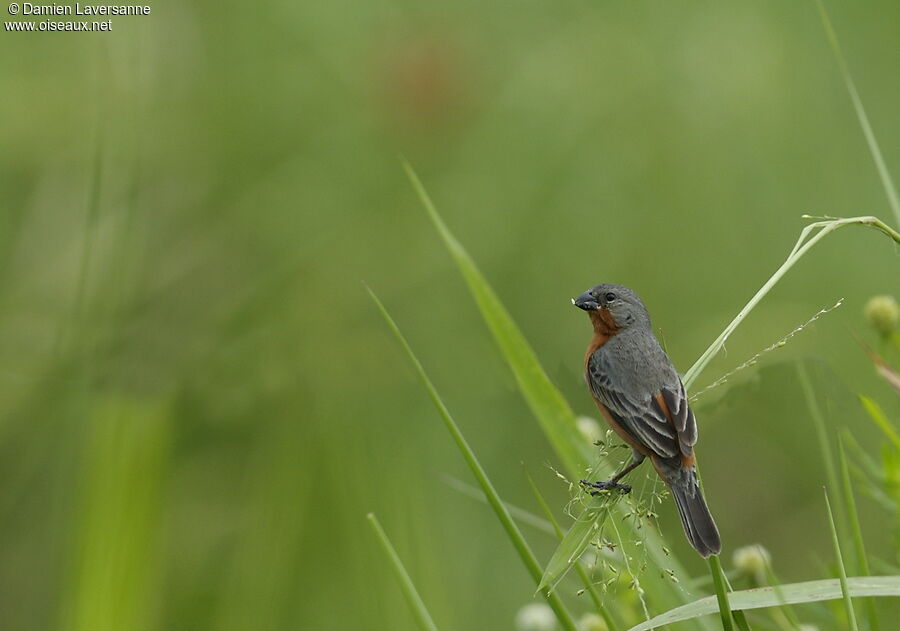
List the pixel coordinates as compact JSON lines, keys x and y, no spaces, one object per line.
{"x":640,"y":394}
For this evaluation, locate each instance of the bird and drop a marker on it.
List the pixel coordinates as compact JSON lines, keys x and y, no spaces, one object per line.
{"x":640,"y":395}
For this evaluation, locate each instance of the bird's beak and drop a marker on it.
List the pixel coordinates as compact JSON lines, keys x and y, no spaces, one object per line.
{"x":586,"y":301}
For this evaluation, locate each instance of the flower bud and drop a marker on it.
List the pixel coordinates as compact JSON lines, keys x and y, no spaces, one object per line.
{"x":753,"y":561}
{"x":883,"y":313}
{"x":536,"y":617}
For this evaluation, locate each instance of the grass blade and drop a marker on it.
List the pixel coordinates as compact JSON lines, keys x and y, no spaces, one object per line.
{"x":519,"y":514}
{"x":715,"y":568}
{"x":420,"y":612}
{"x":845,"y":590}
{"x":790,"y":594}
{"x":815,"y":413}
{"x":546,"y":402}
{"x":512,"y":531}
{"x":862,"y":560}
{"x":886,"y":181}
{"x":803,"y":245}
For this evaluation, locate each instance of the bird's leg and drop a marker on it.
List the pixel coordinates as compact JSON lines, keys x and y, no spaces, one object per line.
{"x":613,"y":483}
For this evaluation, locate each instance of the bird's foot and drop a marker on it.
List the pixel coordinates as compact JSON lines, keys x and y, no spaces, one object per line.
{"x":605,"y":485}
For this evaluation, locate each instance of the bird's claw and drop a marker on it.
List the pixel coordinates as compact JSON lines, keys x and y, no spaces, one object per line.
{"x":605,"y":485}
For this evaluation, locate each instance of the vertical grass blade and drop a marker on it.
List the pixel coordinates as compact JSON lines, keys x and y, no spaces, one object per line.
{"x":715,"y":568}
{"x":885,"y":175}
{"x":512,"y":531}
{"x":420,"y":612}
{"x":845,"y":590}
{"x":862,"y":560}
{"x":818,"y":419}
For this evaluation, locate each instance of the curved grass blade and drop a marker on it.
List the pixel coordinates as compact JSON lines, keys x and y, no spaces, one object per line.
{"x":791,"y":594}
{"x":512,"y":531}
{"x":420,"y":612}
{"x":803,"y":245}
{"x":546,"y":402}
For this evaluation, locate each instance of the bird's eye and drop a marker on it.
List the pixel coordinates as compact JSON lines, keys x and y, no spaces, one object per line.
{"x":610,"y":296}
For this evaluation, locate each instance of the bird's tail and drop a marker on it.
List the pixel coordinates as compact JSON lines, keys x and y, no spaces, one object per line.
{"x":698,"y":523}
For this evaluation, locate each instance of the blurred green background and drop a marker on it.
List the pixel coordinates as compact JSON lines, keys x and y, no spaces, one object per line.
{"x":199,"y":403}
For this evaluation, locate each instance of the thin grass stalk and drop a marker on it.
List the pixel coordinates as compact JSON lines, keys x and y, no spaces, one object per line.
{"x":803,"y":245}
{"x":416,"y":604}
{"x":512,"y":531}
{"x":740,"y":618}
{"x":715,"y":568}
{"x":822,"y":434}
{"x":885,"y":175}
{"x":519,"y":514}
{"x":845,"y":590}
{"x":862,"y":560}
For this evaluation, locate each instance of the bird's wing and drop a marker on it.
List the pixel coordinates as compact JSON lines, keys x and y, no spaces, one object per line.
{"x":661,"y":421}
{"x":679,"y":411}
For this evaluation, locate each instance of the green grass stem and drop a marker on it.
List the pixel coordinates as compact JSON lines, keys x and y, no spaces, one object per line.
{"x":809,"y":236}
{"x":885,"y":175}
{"x":715,"y":568}
{"x":416,"y":604}
{"x":815,"y":412}
{"x":845,"y":590}
{"x":862,"y":559}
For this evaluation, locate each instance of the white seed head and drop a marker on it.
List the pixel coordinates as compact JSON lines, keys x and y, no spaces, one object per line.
{"x":883,"y":313}
{"x":536,"y":617}
{"x":752,"y":560}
